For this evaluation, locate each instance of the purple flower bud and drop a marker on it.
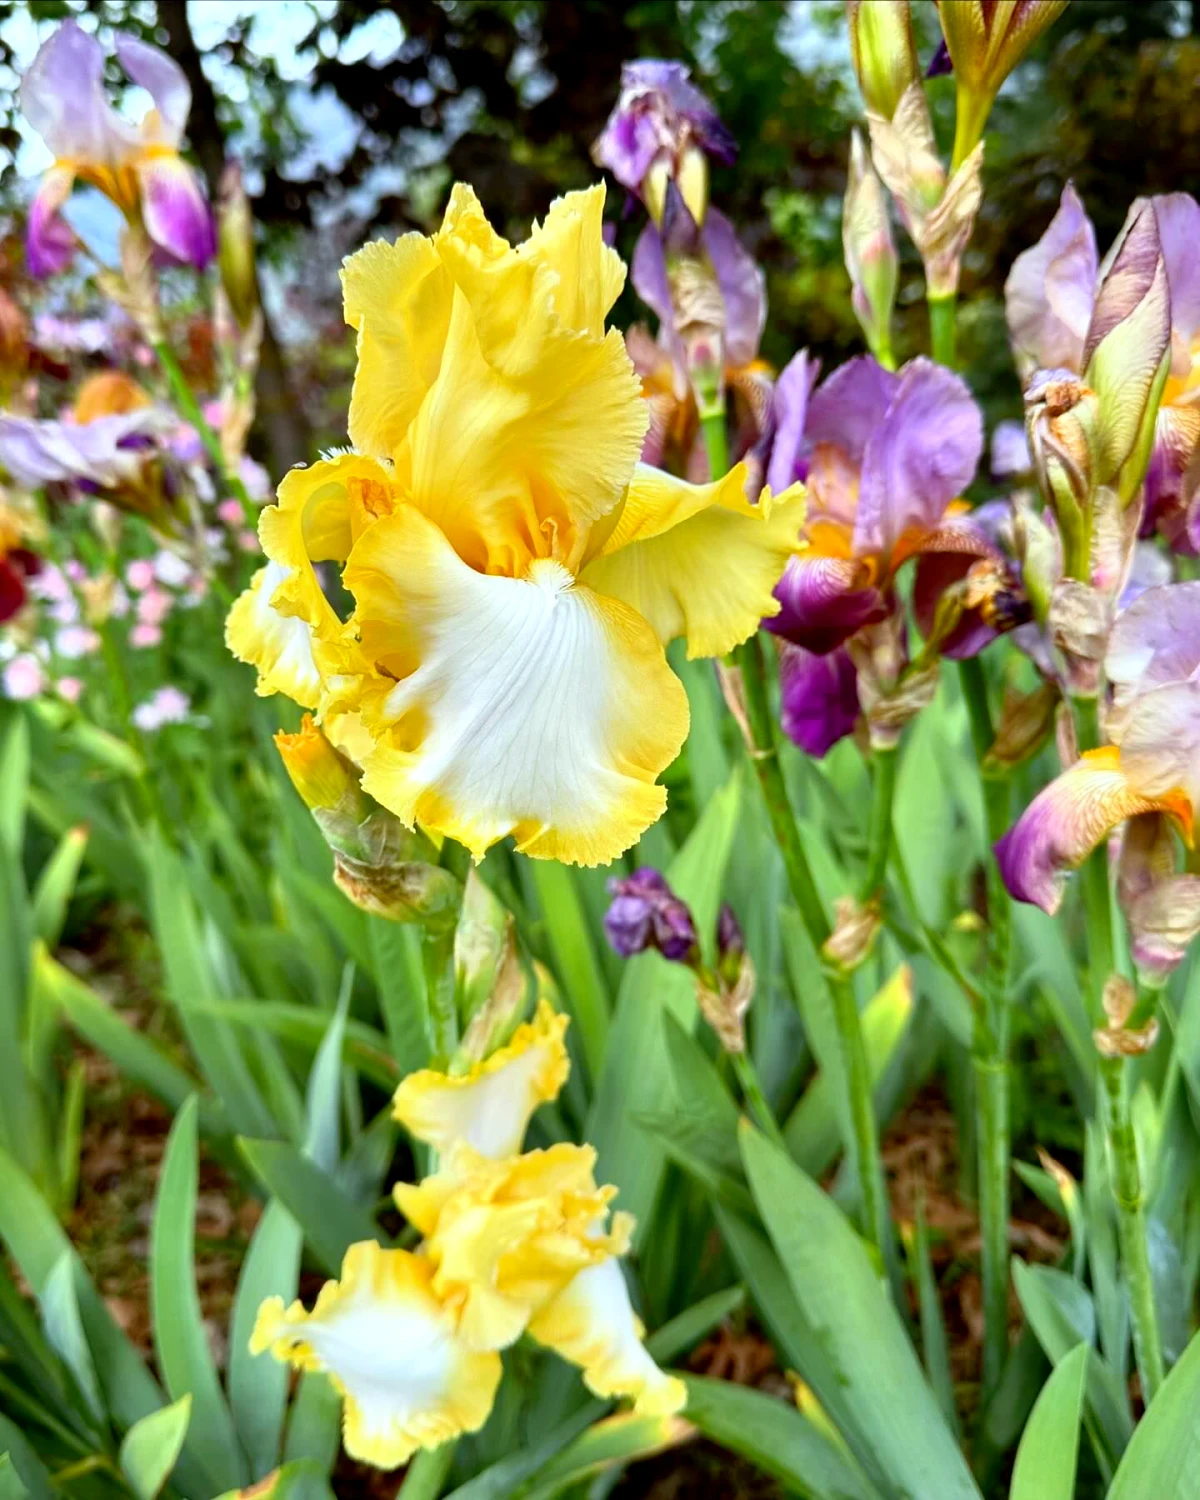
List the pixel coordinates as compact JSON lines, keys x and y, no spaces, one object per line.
{"x":627,"y":925}
{"x":645,"y":913}
{"x":730,"y":940}
{"x":674,"y":931}
{"x":941,"y":62}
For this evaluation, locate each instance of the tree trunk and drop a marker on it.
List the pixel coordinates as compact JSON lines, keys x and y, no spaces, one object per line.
{"x":282,"y":424}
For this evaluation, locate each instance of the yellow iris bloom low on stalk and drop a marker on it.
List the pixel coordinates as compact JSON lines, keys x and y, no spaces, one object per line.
{"x":513,"y":1243}
{"x":516,"y":573}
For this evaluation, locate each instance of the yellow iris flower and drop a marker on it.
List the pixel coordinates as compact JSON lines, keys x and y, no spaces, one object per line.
{"x":513,"y":1243}
{"x":516,"y":573}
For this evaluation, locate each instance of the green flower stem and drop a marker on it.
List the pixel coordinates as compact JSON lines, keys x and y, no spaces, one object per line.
{"x":941,"y":329}
{"x":882,"y":350}
{"x":148,"y":794}
{"x":862,"y":1148}
{"x":441,"y":1018}
{"x":1131,"y":1225}
{"x":190,"y":408}
{"x":879,"y":842}
{"x":752,"y":1091}
{"x":1124,"y":1176}
{"x":716,"y":445}
{"x":426,"y":1475}
{"x":1097,"y":896}
{"x":990,"y":1048}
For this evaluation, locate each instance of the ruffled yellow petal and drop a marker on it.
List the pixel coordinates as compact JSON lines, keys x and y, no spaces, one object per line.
{"x":397,"y":297}
{"x":531,"y":706}
{"x":507,"y":1236}
{"x":279,"y":645}
{"x":592,"y":1324}
{"x":531,"y":428}
{"x":490,"y":1107}
{"x":322,"y":510}
{"x":699,"y":560}
{"x":390,"y":1349}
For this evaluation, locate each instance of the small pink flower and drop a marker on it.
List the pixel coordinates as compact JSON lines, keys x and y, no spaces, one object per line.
{"x":75,"y":570}
{"x":69,"y":689}
{"x":248,"y":541}
{"x":139,"y":575}
{"x":76,"y":641}
{"x":24,"y":678}
{"x":167,"y":706}
{"x":170,"y":569}
{"x":154,"y":606}
{"x":230,"y":512}
{"x":142,"y":636}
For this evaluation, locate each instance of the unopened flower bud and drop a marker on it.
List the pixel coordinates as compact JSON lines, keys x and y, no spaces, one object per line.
{"x":985,"y":42}
{"x":235,"y":246}
{"x":1061,"y":423}
{"x":379,"y":864}
{"x":1125,"y":1033}
{"x":870,"y":250}
{"x":1026,"y":723}
{"x":883,"y":51}
{"x":1080,"y":619}
{"x":491,"y":984}
{"x":646,"y":913}
{"x":326,"y":779}
{"x":724,"y":1007}
{"x":1127,"y":353}
{"x":855,"y":927}
{"x":938,"y":212}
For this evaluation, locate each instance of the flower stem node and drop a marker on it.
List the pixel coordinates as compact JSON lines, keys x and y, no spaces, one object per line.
{"x":1126,"y":1033}
{"x":856,"y":925}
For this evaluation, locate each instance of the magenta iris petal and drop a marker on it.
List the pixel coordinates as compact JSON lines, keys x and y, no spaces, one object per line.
{"x":819,"y":697}
{"x":176,"y":213}
{"x":822,"y":602}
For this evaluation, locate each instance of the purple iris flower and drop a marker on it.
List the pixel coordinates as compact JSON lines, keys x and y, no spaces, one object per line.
{"x":138,"y":165}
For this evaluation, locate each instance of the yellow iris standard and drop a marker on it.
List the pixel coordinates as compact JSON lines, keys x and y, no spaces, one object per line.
{"x":516,"y":573}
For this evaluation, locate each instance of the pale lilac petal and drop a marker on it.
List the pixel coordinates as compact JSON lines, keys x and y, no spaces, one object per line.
{"x":648,"y":272}
{"x":1168,"y":482}
{"x":823,"y":601}
{"x":1156,"y":641}
{"x":658,"y":113}
{"x":920,"y":458}
{"x":1063,"y":824}
{"x":175,"y":210}
{"x":1010,"y":458}
{"x":1151,"y":568}
{"x":743,"y":288}
{"x":847,"y":408}
{"x":49,"y":239}
{"x":819,"y":697}
{"x":36,"y":453}
{"x":789,"y":406}
{"x":1127,"y":275}
{"x":1159,"y":740}
{"x":1178,"y":217}
{"x":163,"y":79}
{"x":63,"y":98}
{"x":1051,"y":289}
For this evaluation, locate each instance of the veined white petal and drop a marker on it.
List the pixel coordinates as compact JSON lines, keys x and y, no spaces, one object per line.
{"x":529,"y":706}
{"x":280,"y":646}
{"x":390,"y":1347}
{"x":592,"y":1323}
